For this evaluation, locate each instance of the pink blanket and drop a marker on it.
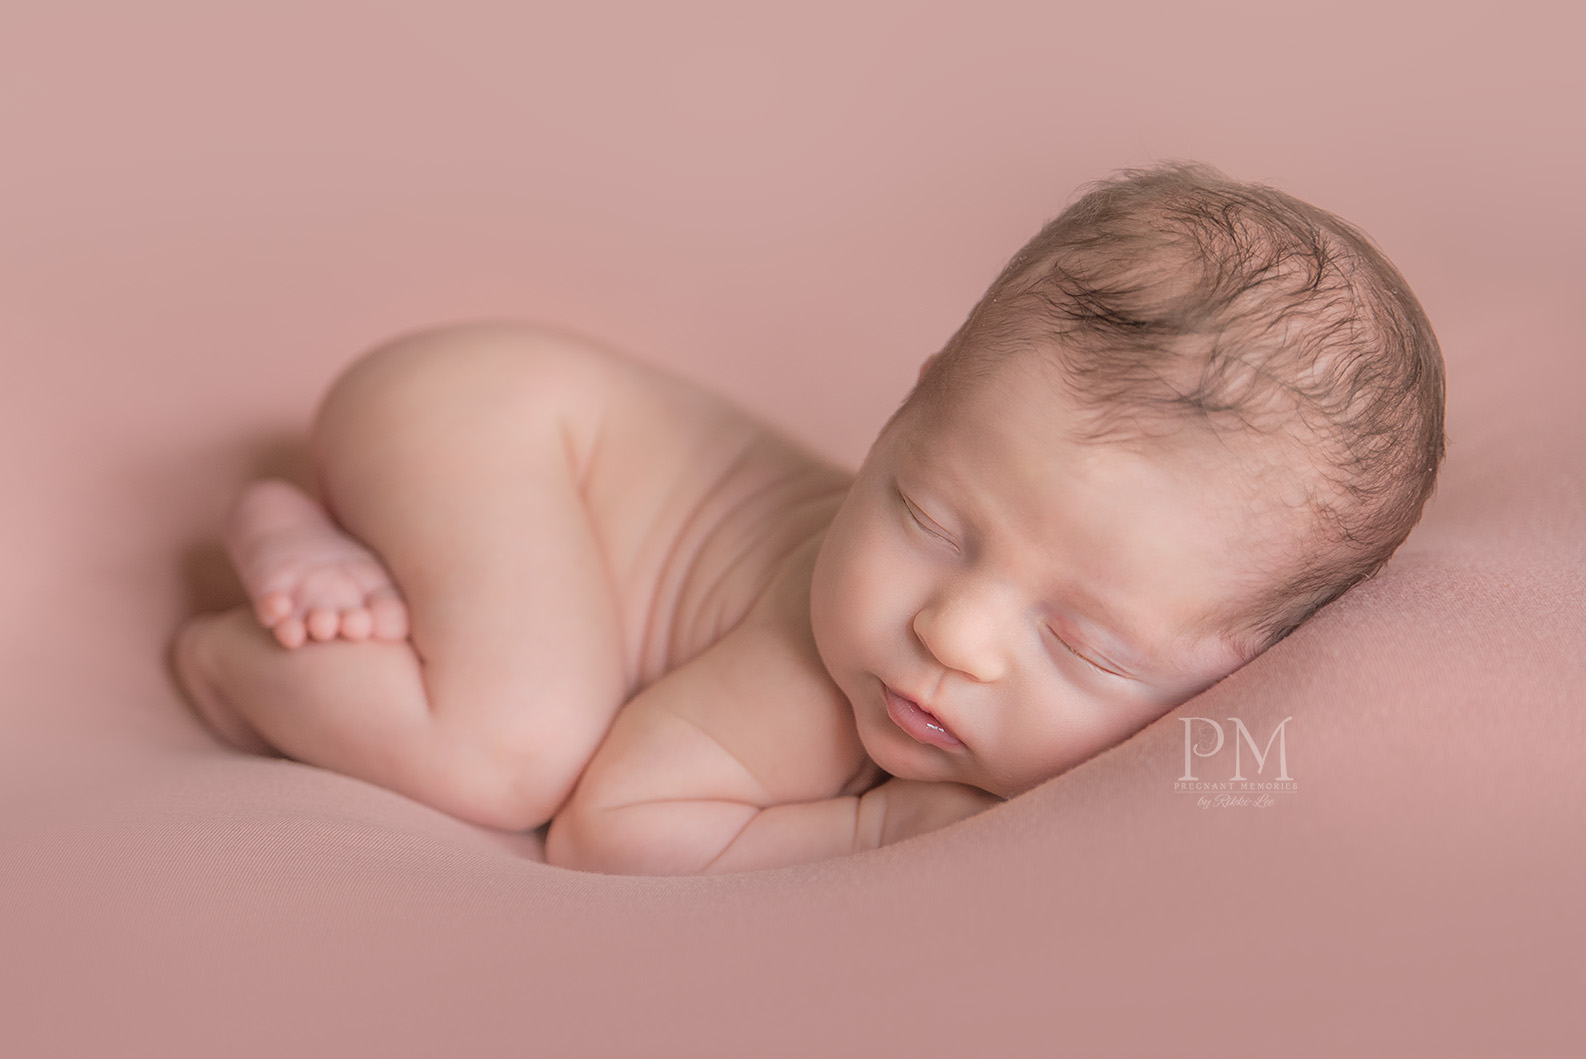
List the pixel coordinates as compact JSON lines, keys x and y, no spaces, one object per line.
{"x":208,"y":210}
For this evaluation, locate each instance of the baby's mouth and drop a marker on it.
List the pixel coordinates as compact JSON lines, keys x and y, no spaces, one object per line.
{"x":921,"y":724}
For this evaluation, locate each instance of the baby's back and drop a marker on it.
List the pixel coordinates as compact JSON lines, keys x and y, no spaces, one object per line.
{"x":695,"y":504}
{"x":709,"y":522}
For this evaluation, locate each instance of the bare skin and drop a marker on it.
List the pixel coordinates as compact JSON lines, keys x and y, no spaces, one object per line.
{"x":549,"y":583}
{"x":310,"y":580}
{"x":522,"y":537}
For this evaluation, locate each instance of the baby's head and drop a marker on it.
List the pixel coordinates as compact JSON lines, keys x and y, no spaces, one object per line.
{"x":1187,"y":415}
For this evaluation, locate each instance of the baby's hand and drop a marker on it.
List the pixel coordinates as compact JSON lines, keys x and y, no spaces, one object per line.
{"x":913,"y":807}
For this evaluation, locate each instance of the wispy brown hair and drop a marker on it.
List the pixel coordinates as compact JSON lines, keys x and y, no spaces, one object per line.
{"x":1176,"y":294}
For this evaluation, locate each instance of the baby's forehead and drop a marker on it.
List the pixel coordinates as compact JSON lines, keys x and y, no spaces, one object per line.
{"x":1026,"y":392}
{"x":1244,"y":468}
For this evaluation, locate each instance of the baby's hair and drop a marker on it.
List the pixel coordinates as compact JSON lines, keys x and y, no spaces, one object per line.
{"x":1176,"y":295}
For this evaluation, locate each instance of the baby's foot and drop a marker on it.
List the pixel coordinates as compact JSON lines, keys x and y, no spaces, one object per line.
{"x":306,"y":577}
{"x":195,"y":659}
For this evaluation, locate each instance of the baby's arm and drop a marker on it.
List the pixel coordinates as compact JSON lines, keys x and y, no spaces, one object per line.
{"x":730,"y":764}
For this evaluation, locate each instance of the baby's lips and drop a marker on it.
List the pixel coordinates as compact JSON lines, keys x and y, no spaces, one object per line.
{"x":919,"y":723}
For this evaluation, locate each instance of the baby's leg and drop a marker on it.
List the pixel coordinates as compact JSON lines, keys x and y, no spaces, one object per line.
{"x":453,"y":456}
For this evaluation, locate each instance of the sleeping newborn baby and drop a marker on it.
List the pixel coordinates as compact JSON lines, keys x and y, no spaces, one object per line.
{"x":546,"y":582}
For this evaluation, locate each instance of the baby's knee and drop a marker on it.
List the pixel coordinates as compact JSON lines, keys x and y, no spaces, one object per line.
{"x":506,"y":787}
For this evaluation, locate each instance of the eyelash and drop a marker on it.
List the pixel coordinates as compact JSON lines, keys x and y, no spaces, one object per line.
{"x":923,"y":522}
{"x":1079,"y":656}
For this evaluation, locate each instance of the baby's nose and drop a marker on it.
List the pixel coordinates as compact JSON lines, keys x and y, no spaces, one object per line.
{"x":960,"y":630}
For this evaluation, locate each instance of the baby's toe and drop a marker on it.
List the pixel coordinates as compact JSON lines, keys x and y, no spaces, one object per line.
{"x":323,"y":623}
{"x":357,"y":624}
{"x":290,"y":633}
{"x":273,"y":607}
{"x":389,"y":617}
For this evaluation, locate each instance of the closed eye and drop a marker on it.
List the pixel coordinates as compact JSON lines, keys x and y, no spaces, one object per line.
{"x":925,"y":522}
{"x":1094,"y":665}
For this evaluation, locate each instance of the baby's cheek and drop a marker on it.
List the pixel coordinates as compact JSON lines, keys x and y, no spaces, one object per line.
{"x":836,"y":593}
{"x":874,"y":587}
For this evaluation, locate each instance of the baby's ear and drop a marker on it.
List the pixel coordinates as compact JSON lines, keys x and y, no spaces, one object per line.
{"x":927,"y":365}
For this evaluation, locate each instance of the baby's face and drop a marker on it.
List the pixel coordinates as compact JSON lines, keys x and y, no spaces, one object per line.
{"x":1000,"y":601}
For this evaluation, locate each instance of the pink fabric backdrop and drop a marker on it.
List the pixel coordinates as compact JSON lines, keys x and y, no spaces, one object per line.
{"x":206,"y":210}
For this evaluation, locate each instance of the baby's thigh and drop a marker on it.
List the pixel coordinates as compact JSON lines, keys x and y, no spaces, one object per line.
{"x":454,"y":454}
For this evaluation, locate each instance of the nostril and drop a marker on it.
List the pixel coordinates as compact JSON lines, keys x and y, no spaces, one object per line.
{"x":960,"y":641}
{"x":922,"y":628}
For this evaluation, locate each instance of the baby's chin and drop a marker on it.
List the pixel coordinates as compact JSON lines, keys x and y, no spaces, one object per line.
{"x":902,"y":758}
{"x":905,"y":764}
